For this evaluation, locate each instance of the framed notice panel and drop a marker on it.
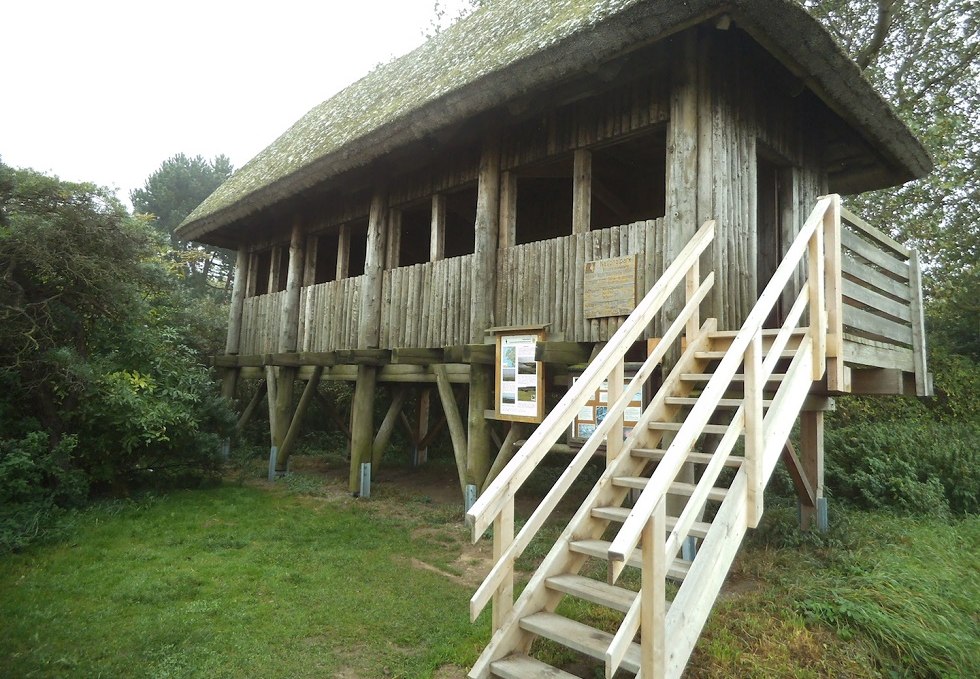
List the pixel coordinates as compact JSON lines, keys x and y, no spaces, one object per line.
{"x":520,"y":379}
{"x":594,"y":412}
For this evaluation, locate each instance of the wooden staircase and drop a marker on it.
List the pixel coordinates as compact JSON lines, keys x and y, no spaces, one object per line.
{"x":678,"y":494}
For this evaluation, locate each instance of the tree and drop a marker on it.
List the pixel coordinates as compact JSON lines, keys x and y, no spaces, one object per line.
{"x":169,"y":195}
{"x":925,"y":58}
{"x":102,"y":381}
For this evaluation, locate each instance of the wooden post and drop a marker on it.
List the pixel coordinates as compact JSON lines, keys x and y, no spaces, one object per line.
{"x":422,"y":426}
{"x":503,"y":536}
{"x":922,"y":385}
{"x":343,"y":252}
{"x":754,"y":431}
{"x":250,"y":409}
{"x":233,"y":341}
{"x":811,"y":449}
{"x":682,"y":162}
{"x":614,"y":389}
{"x":289,"y":440}
{"x":437,"y":233}
{"x":309,"y":266}
{"x":253,"y":274}
{"x":275,"y":265}
{"x":485,"y":246}
{"x":653,"y":593}
{"x":507,"y":237}
{"x":362,"y":423}
{"x":369,"y":322}
{"x":836,"y":379}
{"x":394,"y":244}
{"x":479,"y":445}
{"x":288,"y":334}
{"x":582,"y":191}
{"x":506,"y":452}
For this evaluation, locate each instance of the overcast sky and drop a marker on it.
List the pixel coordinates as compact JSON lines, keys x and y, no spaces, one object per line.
{"x":106,"y":90}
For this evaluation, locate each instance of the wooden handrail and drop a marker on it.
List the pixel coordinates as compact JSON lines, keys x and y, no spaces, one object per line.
{"x":629,"y":534}
{"x":502,"y":489}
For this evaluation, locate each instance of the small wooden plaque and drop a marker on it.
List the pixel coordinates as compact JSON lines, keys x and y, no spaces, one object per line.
{"x":610,"y":287}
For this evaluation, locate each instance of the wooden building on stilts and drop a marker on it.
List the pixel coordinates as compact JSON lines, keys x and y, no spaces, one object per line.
{"x":631,"y":202}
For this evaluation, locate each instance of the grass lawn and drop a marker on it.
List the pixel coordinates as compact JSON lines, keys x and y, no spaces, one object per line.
{"x":300,"y":580}
{"x":243,"y":582}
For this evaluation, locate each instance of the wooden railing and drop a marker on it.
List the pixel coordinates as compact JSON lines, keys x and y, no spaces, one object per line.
{"x":329,"y":315}
{"x":496,"y":505}
{"x":261,"y":320}
{"x":427,"y":305}
{"x":542,"y":283}
{"x":818,"y":245}
{"x":882,"y":290}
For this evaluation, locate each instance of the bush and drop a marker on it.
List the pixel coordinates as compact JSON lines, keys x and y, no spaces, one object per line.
{"x":917,"y":467}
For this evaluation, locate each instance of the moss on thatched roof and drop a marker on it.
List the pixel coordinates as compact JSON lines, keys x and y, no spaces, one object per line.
{"x":511,"y":47}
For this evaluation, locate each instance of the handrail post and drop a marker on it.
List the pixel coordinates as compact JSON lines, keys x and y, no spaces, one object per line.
{"x":614,"y":389}
{"x":754,"y":439}
{"x":653,"y":590}
{"x":834,"y":296}
{"x":692,"y":281}
{"x":503,"y":536}
{"x":818,"y":310}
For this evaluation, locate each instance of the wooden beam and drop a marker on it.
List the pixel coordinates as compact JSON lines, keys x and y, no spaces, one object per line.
{"x":362,"y":424}
{"x":387,"y":427}
{"x":253,"y":269}
{"x":565,"y":353}
{"x":309,"y":265}
{"x":275,"y":266}
{"x":804,"y":490}
{"x":417,"y":356}
{"x":456,"y":431}
{"x":479,"y":354}
{"x":582,"y":191}
{"x":363,"y":356}
{"x":437,"y":233}
{"x":879,"y":381}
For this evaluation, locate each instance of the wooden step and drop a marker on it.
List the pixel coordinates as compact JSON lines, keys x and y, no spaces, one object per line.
{"x":676,"y":426}
{"x":718,"y":355}
{"x":698,"y":529}
{"x":723,"y":403}
{"x":766,"y":332}
{"x":597,"y":592}
{"x":600,"y":550}
{"x":519,"y":666}
{"x":704,"y":377}
{"x":693,"y":456}
{"x":676,"y":488}
{"x":578,"y":637}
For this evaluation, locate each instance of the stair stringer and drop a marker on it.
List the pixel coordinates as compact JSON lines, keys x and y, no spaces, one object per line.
{"x":694,"y":600}
{"x":536,"y":596}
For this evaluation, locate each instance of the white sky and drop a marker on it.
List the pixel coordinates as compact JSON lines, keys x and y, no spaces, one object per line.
{"x":106,"y":90}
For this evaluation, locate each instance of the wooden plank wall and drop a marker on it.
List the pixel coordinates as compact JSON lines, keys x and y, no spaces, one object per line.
{"x":427,"y":305}
{"x":331,"y":311}
{"x":879,"y":299}
{"x":541,"y":282}
{"x":261,"y":317}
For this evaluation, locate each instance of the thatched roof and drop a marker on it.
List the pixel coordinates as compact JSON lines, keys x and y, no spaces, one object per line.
{"x":512,"y":47}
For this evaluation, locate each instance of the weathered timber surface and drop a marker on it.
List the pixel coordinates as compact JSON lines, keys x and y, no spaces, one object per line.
{"x":542,"y":283}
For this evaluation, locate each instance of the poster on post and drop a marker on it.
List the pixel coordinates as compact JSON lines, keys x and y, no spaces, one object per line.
{"x":520,"y":379}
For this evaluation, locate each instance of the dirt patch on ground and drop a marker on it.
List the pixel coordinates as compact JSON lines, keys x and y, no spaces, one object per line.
{"x":449,"y":672}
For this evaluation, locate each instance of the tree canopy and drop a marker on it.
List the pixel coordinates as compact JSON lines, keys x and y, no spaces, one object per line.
{"x":171,"y":193}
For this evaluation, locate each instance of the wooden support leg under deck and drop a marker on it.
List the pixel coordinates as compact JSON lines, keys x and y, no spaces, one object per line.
{"x":811,"y":454}
{"x":283,"y":406}
{"x":478,"y":440}
{"x":362,"y":423}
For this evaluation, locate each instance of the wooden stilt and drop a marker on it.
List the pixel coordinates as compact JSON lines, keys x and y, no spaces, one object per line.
{"x":289,"y":440}
{"x":362,"y":423}
{"x":478,"y":439}
{"x":456,"y":431}
{"x":506,"y":452}
{"x":811,"y":454}
{"x":387,"y":428}
{"x":251,"y":407}
{"x":422,"y":426}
